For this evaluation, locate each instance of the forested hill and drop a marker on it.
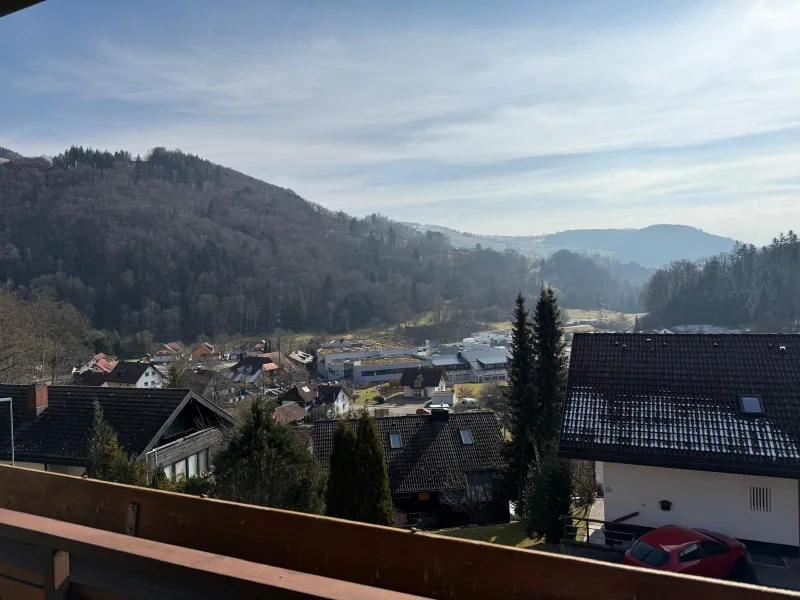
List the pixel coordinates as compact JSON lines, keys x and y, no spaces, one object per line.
{"x":177,"y":246}
{"x":653,"y":246}
{"x":759,"y":287}
{"x":7,"y":154}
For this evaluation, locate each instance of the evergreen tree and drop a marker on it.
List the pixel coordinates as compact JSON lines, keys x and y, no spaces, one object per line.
{"x":372,"y":483}
{"x":636,"y":326}
{"x":341,"y":499}
{"x":519,"y":399}
{"x":549,"y":372}
{"x":106,"y":459}
{"x":547,"y":496}
{"x":265,"y":464}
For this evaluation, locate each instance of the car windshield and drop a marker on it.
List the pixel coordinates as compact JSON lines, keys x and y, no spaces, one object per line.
{"x":649,"y":554}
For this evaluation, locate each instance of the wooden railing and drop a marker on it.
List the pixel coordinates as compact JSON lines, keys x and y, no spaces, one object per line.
{"x":389,"y":559}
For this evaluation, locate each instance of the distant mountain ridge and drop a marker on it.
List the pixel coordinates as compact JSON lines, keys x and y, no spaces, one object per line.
{"x":652,"y":247}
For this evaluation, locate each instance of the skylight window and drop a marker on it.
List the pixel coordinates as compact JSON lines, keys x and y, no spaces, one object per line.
{"x":395,"y":441}
{"x":752,"y":405}
{"x":305,"y":389}
{"x":466,"y":437}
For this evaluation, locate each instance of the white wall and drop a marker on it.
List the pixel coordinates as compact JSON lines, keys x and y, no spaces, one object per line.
{"x":715,"y":501}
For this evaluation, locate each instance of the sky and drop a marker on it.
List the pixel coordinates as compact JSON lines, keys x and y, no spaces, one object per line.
{"x":508,"y":117}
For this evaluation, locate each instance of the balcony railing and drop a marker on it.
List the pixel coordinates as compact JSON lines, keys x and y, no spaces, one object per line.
{"x":103,"y":540}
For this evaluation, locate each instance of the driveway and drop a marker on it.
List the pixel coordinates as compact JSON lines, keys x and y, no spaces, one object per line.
{"x":399,"y":406}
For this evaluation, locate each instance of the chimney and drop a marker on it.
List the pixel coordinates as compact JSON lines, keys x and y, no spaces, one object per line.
{"x":440,"y":412}
{"x":37,"y":400}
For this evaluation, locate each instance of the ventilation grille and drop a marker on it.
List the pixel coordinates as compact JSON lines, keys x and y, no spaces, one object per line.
{"x":760,"y":498}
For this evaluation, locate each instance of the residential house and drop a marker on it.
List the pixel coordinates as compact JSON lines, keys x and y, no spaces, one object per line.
{"x":137,"y":374}
{"x":238,"y":353}
{"x":99,"y":363}
{"x":301,"y":358}
{"x":171,"y":429}
{"x":331,"y":401}
{"x":202,"y":351}
{"x":169,"y":352}
{"x":471,"y":363}
{"x":696,"y":430}
{"x":443,"y":468}
{"x":422,"y":382}
{"x":289,"y":413}
{"x":252,"y":371}
{"x":302,"y":394}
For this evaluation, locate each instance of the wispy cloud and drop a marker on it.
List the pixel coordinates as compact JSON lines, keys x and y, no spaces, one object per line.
{"x":525,"y":128}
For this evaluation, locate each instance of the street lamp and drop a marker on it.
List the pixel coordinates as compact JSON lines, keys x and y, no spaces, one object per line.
{"x":11,"y":416}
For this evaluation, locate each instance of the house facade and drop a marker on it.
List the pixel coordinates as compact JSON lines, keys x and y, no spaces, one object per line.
{"x":331,"y":401}
{"x":696,"y":430}
{"x":203,"y":351}
{"x":422,"y":382}
{"x":137,"y":374}
{"x":169,"y":352}
{"x":171,"y":429}
{"x":443,"y":468}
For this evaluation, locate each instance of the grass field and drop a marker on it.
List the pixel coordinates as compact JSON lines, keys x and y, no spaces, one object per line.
{"x":505,"y":534}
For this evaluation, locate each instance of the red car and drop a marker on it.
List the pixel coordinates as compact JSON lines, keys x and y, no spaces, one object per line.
{"x":688,"y":551}
{"x":423,"y":411}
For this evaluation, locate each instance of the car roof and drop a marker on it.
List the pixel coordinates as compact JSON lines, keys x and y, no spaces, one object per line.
{"x":672,"y":536}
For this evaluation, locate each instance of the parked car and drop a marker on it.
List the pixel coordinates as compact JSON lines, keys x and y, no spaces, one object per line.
{"x":423,"y":411}
{"x":688,"y":551}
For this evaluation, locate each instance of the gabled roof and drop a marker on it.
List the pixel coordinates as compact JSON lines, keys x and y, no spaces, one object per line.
{"x":128,"y":372}
{"x":105,"y":365}
{"x":289,"y":413}
{"x":172,"y":347}
{"x":433,"y":456}
{"x":421,"y":377}
{"x":675,"y":400}
{"x":62,"y":432}
{"x":327,"y":394}
{"x":301,"y":392}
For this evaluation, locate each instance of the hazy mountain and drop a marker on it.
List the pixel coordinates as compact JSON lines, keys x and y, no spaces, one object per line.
{"x":650,"y":247}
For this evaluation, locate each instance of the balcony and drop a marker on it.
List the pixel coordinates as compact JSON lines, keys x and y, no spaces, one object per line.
{"x":67,"y":537}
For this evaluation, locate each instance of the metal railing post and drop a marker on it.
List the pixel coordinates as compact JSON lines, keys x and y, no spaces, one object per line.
{"x":11,"y":419}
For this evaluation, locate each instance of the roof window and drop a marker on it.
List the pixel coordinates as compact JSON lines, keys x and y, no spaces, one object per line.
{"x":466,"y":437}
{"x":752,"y":405}
{"x":395,"y":441}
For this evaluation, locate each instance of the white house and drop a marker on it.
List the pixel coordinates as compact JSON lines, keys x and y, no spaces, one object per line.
{"x":332,"y":401}
{"x":695,"y":430}
{"x":422,"y":382}
{"x":135,"y":374}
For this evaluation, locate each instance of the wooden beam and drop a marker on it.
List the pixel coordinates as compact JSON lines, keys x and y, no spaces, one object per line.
{"x":393,"y":559}
{"x":232,"y":577}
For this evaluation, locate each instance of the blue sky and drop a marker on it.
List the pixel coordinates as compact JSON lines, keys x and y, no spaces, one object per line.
{"x":508,"y":117}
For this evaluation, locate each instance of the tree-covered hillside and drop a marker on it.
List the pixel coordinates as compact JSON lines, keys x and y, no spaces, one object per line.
{"x":747,"y":286}
{"x":177,"y":246}
{"x":9,"y":154}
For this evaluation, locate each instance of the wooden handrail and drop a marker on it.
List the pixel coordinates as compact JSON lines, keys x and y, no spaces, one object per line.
{"x":233,"y":577}
{"x":415,"y":563}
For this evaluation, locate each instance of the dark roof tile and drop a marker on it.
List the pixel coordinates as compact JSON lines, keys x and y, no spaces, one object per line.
{"x":675,"y":400}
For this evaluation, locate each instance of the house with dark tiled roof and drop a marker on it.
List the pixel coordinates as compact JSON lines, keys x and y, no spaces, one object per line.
{"x":176,"y":430}
{"x":443,"y":468}
{"x":135,"y":374}
{"x":696,"y":430}
{"x":422,"y":382}
{"x":331,"y":401}
{"x":302,"y":394}
{"x":289,"y":413}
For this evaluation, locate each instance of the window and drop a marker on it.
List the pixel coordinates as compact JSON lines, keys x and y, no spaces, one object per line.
{"x":752,"y":405}
{"x":192,"y":466}
{"x":202,"y":460}
{"x":417,"y":393}
{"x":146,"y":383}
{"x":760,"y":498}
{"x":168,"y":471}
{"x":466,"y":437}
{"x":712,"y":548}
{"x":650,"y":555}
{"x":395,"y":441}
{"x":180,"y":468}
{"x":690,"y":553}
